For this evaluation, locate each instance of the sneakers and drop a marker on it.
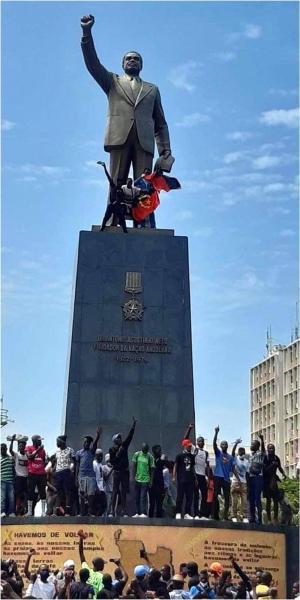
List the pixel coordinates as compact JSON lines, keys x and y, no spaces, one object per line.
{"x":3,"y":515}
{"x":12,"y":515}
{"x":133,"y":516}
{"x":144,"y":516}
{"x":111,"y":516}
{"x":204,"y":518}
{"x":197,"y":518}
{"x":188,"y":516}
{"x":234,"y":519}
{"x":245,"y":520}
{"x":178,"y":516}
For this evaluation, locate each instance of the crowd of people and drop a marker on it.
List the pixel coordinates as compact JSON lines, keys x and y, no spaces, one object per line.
{"x":189,"y":581}
{"x":91,"y":482}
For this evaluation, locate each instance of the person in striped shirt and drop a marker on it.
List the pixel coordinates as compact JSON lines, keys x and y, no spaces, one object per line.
{"x":7,"y":484}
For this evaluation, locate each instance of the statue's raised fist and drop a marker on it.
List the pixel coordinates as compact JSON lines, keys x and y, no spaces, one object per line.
{"x":87,"y":22}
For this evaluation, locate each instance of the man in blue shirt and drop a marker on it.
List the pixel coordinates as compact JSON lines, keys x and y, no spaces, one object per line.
{"x":225,"y":465}
{"x":86,"y":474}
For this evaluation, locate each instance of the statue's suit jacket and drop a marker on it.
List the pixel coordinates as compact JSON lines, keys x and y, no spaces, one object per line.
{"x":145,"y":112}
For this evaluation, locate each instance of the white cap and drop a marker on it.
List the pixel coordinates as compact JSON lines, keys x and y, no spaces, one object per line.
{"x":69,"y":564}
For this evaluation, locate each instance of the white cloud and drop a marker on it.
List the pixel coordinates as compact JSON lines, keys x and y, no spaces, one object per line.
{"x":184,"y":215}
{"x":283,"y":93}
{"x":232,"y":157}
{"x":289,"y":117}
{"x":203,"y":232}
{"x":92,"y":163}
{"x":225,"y":56}
{"x":252,"y":32}
{"x":183,"y":76}
{"x":239,"y":136}
{"x":287,"y":233}
{"x":7,"y":125}
{"x":266,"y":162}
{"x":192,"y":120}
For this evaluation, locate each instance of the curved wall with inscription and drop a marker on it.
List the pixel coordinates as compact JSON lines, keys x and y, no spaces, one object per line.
{"x":131,"y":349}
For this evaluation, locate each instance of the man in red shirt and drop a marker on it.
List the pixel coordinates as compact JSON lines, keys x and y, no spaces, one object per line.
{"x":36,"y":473}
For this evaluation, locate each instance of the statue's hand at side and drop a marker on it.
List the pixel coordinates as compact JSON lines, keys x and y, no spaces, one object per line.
{"x":87,"y":23}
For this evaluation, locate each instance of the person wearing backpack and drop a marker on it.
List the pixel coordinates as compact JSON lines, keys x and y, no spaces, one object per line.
{"x":143,"y":469}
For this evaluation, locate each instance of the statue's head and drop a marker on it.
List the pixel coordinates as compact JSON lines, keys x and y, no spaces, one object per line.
{"x":132,"y":63}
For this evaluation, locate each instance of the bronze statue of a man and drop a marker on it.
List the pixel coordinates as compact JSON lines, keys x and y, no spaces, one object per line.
{"x":135,"y":113}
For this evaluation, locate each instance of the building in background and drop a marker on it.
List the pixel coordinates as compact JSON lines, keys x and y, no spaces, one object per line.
{"x":274,"y":389}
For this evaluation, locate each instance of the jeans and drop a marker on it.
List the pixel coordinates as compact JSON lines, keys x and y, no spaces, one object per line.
{"x":255,"y":490}
{"x":141,"y":498}
{"x":221,"y":484}
{"x":202,"y":487}
{"x":64,"y":483}
{"x":7,"y":497}
{"x":184,"y":490}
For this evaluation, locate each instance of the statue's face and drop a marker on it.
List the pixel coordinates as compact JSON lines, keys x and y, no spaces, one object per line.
{"x":132,"y":63}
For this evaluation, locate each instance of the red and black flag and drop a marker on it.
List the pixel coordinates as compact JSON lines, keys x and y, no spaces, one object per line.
{"x":150,"y":201}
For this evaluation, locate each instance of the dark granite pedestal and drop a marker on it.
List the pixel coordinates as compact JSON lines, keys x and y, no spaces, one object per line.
{"x":131,"y":349}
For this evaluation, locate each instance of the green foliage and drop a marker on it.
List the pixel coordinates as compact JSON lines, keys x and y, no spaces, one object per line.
{"x":291,"y":492}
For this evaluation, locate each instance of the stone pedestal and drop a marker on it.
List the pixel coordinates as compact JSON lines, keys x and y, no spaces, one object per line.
{"x":131,"y":349}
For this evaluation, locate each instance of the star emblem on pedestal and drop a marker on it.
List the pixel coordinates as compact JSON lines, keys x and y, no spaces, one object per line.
{"x":133,"y":310}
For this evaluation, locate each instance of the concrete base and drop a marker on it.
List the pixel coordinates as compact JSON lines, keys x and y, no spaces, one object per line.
{"x":164,"y":540}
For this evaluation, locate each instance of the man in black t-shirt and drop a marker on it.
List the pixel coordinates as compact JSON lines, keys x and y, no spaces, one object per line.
{"x":157,"y":489}
{"x":184,"y":471}
{"x":270,"y":481}
{"x":119,"y":461}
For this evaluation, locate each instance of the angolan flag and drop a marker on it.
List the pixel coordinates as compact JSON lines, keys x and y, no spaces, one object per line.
{"x":151,"y":185}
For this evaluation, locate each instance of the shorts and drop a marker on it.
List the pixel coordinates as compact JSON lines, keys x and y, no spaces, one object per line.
{"x":87,"y":485}
{"x":20,"y":485}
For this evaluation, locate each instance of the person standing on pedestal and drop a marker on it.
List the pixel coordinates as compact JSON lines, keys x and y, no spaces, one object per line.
{"x":119,"y":460}
{"x":135,"y":114}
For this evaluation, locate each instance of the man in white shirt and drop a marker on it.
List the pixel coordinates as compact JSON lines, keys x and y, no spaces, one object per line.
{"x":21,"y":470}
{"x":40,"y":584}
{"x":239,"y":488}
{"x":107,"y":469}
{"x":64,"y":472}
{"x":100,"y":497}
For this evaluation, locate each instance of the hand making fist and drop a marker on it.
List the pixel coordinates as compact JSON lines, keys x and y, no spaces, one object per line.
{"x":87,"y":22}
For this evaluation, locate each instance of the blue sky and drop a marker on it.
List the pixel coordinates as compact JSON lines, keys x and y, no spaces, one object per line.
{"x":227,"y":73}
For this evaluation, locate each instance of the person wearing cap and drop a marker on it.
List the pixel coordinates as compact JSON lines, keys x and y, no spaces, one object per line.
{"x":85,"y":475}
{"x":21,"y":473}
{"x":216,"y":571}
{"x":184,"y":472}
{"x":225,"y":466}
{"x":7,"y":484}
{"x":108,"y":482}
{"x":201,"y":470}
{"x":65,"y":578}
{"x":139,"y":585}
{"x":64,"y":461}
{"x":120,"y":463}
{"x":95,"y":574}
{"x":143,"y":466}
{"x":100,"y":497}
{"x":36,"y":473}
{"x":178,"y":585}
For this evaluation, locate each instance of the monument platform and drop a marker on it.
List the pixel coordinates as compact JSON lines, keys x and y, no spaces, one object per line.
{"x":130,"y":346}
{"x":275,"y":549}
